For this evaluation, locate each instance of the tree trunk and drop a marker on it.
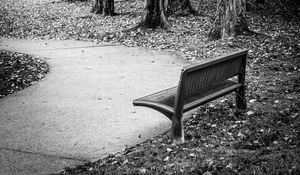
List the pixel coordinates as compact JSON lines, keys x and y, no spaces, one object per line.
{"x":154,"y":15}
{"x":182,"y":7}
{"x":104,"y":7}
{"x":230,"y":20}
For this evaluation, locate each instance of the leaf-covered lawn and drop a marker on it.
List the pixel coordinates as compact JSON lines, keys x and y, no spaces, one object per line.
{"x":18,"y":71}
{"x":263,"y":140}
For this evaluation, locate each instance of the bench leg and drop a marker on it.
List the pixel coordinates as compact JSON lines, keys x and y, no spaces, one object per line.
{"x":241,"y":103}
{"x":177,"y":129}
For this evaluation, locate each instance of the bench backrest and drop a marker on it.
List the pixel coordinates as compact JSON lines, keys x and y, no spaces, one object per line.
{"x":205,"y":74}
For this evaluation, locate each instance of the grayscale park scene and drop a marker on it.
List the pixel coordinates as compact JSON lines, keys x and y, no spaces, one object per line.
{"x":108,"y":87}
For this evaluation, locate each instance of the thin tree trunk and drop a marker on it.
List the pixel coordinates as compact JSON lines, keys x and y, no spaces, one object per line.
{"x":230,"y":19}
{"x":241,"y":25}
{"x":104,"y":7}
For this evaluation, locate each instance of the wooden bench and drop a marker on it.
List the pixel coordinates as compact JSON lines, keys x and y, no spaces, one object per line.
{"x":199,"y":84}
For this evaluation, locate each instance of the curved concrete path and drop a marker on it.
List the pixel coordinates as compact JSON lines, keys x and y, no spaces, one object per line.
{"x":82,"y":110}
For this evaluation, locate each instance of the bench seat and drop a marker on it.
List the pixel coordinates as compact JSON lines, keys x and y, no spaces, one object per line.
{"x":163,"y":101}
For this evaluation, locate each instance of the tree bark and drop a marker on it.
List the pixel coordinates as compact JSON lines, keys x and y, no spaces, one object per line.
{"x":230,"y":20}
{"x":154,"y":15}
{"x":104,"y":7}
{"x":180,"y":7}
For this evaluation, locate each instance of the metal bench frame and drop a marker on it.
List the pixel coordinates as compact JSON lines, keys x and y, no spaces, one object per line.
{"x":200,"y":83}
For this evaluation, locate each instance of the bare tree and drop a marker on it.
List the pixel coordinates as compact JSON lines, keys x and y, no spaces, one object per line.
{"x":104,"y":7}
{"x":230,"y":19}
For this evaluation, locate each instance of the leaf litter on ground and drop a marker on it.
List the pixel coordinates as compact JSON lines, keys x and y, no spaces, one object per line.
{"x":18,"y":71}
{"x":219,"y":139}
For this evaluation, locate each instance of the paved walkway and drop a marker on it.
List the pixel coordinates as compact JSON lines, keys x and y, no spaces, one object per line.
{"x":82,"y":110}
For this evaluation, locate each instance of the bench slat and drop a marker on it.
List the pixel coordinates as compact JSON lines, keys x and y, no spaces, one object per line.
{"x":210,"y":94}
{"x":217,"y":60}
{"x":165,"y":97}
{"x":204,"y":77}
{"x":163,"y":101}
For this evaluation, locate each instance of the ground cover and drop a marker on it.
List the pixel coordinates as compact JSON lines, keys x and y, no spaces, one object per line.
{"x":18,"y":71}
{"x":263,"y":140}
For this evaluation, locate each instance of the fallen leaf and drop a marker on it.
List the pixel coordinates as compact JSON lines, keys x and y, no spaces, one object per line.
{"x":166,"y":159}
{"x":169,"y":150}
{"x":250,"y":112}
